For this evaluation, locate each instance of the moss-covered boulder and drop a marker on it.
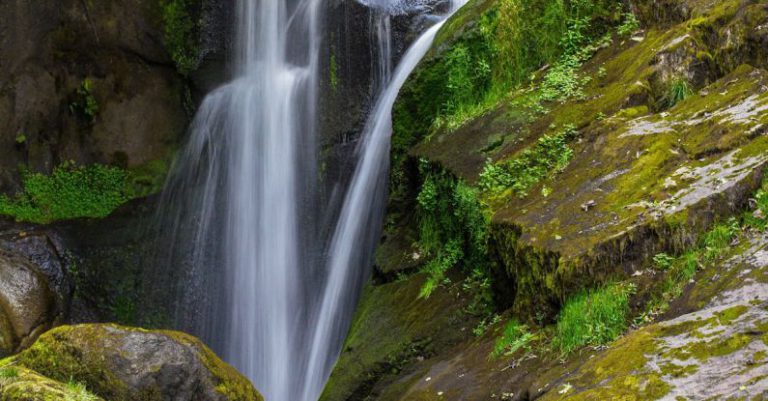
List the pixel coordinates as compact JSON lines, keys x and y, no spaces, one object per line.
{"x":28,"y":305}
{"x":121,"y":363}
{"x":19,"y":384}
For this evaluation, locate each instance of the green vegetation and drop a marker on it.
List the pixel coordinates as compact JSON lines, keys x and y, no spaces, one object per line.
{"x":594,"y":317}
{"x":710,"y":248}
{"x":629,"y":26}
{"x":663,"y":261}
{"x":516,"y":336}
{"x":69,"y":192}
{"x":511,"y":40}
{"x":334,"y":71}
{"x":548,"y":156}
{"x":78,"y":392}
{"x":676,"y":91}
{"x":181,"y":28}
{"x":84,"y":105}
{"x":9,"y":372}
{"x":452,"y":227}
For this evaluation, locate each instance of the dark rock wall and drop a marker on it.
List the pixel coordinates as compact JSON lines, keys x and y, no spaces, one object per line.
{"x":49,"y":49}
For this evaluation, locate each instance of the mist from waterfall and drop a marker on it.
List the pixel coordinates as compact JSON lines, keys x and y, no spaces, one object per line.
{"x":241,"y":205}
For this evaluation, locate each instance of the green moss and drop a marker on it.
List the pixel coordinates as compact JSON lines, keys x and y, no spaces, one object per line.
{"x":547,"y":157}
{"x":181,"y":33}
{"x":71,"y":354}
{"x":229,"y":382}
{"x":69,"y":192}
{"x":334,"y":71}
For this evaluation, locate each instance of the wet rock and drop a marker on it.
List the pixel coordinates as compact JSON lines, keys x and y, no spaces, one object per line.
{"x":44,"y":247}
{"x":28,"y":305}
{"x":117,"y":362}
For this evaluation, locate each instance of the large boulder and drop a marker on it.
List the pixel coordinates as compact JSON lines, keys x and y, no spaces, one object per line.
{"x":28,"y":305}
{"x":121,"y":363}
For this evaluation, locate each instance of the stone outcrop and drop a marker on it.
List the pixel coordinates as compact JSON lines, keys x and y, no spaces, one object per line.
{"x":116,"y":362}
{"x":28,"y":304}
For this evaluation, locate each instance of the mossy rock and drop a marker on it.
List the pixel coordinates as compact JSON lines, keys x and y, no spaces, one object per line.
{"x":20,"y":384}
{"x":124,"y":363}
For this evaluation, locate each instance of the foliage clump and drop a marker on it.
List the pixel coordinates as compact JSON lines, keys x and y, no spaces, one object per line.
{"x":181,"y":33}
{"x":593,"y":317}
{"x":548,"y":156}
{"x":515,"y":336}
{"x":677,"y":90}
{"x":85,"y":104}
{"x":69,"y":192}
{"x":452,"y":227}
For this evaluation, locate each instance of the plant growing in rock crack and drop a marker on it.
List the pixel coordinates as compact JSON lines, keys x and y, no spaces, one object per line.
{"x":593,"y":317}
{"x":452,"y":228}
{"x":677,"y":90}
{"x":85,"y":105}
{"x":78,"y":392}
{"x":515,"y":336}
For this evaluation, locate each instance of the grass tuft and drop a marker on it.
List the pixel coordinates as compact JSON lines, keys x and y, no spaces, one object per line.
{"x":594,"y":317}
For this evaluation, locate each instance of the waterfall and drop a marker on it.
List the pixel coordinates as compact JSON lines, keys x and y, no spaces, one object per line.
{"x":358,"y":227}
{"x":239,"y":211}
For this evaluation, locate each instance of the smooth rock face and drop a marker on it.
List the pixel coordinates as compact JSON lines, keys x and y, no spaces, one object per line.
{"x":117,"y":362}
{"x":28,"y":306}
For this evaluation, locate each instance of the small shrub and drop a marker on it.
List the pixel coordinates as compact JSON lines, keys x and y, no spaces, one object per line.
{"x":516,"y":336}
{"x":718,"y":240}
{"x":69,"y":192}
{"x":594,"y":317}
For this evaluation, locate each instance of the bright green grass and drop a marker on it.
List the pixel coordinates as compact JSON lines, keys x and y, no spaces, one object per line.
{"x":594,"y":317}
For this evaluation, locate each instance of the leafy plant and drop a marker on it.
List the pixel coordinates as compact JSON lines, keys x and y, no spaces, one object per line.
{"x":629,"y":25}
{"x":452,"y":226}
{"x":9,"y":372}
{"x":594,"y":317}
{"x":516,"y":336}
{"x":85,"y":104}
{"x":181,"y":38}
{"x":663,"y":261}
{"x":549,"y":155}
{"x":69,"y":192}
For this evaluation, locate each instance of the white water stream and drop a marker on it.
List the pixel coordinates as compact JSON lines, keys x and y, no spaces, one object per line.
{"x":239,"y":192}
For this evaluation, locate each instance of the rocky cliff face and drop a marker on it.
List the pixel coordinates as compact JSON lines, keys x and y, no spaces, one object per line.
{"x":587,"y":171}
{"x":87,"y":82}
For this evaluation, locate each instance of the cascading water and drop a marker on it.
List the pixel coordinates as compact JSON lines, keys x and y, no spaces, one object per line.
{"x":257,"y":287}
{"x":358,"y":227}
